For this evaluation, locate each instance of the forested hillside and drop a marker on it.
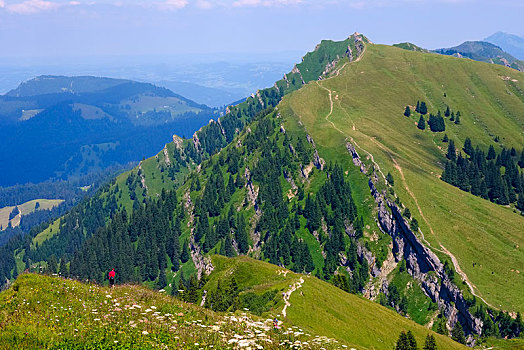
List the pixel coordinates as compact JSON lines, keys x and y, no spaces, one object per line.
{"x":63,"y":127}
{"x":330,"y":174}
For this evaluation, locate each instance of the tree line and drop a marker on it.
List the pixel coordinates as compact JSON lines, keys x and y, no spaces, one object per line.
{"x":497,"y":177}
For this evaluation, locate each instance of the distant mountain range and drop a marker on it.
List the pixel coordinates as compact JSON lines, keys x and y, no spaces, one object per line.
{"x":56,"y":126}
{"x":484,"y":52}
{"x":510,"y":43}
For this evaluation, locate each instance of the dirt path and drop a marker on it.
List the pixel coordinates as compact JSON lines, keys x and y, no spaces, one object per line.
{"x":287,"y":294}
{"x":443,"y":249}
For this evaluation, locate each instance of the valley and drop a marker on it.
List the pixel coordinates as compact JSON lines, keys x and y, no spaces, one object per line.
{"x":318,"y":201}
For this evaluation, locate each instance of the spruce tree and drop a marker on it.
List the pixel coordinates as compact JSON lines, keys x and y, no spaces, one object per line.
{"x":412,"y":343}
{"x":390,"y":179}
{"x":423,"y":108}
{"x":417,"y":109}
{"x":402,"y":342}
{"x":421,"y":123}
{"x":491,"y":153}
{"x":521,"y":160}
{"x":445,"y":139}
{"x":407,"y":111}
{"x":468,"y":148}
{"x":184,"y":257}
{"x":430,"y":343}
{"x":457,"y":118}
{"x":447,"y":112}
{"x":451,"y":154}
{"x":457,"y":333}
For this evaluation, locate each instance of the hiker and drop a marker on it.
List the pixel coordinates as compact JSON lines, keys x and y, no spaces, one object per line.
{"x":112,"y":278}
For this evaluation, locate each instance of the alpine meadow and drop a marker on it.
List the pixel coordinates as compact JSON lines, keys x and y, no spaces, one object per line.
{"x":372,"y":198}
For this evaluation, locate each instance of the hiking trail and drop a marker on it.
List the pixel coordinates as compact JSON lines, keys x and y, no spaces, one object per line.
{"x":287,"y":295}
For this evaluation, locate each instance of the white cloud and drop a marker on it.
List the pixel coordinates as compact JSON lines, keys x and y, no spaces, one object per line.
{"x":266,"y":3}
{"x":2,"y":4}
{"x":174,"y":4}
{"x":32,"y":6}
{"x":204,"y":4}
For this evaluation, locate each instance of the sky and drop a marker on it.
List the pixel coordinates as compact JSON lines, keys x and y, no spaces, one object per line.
{"x":59,"y":29}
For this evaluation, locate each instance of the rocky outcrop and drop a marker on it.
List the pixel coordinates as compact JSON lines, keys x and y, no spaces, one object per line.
{"x":421,"y":263}
{"x":166,"y":156}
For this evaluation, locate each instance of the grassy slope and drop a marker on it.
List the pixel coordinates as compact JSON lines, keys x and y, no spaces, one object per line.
{"x":369,"y":98}
{"x":321,"y":308}
{"x":54,"y":313}
{"x":26,"y":208}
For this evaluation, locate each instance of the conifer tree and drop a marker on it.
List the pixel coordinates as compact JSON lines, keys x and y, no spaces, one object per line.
{"x":457,"y":118}
{"x":389,"y":179}
{"x":184,"y":257}
{"x":414,"y":225}
{"x":421,"y":123}
{"x":447,"y":112}
{"x":412,"y":343}
{"x":430,"y":343}
{"x":417,"y":109}
{"x":452,"y":118}
{"x":491,"y":153}
{"x":402,"y":342}
{"x":241,"y":235}
{"x":407,"y":111}
{"x":423,"y":108}
{"x":445,"y":139}
{"x":451,"y":154}
{"x":468,"y":148}
{"x":521,"y":160}
{"x":457,"y":333}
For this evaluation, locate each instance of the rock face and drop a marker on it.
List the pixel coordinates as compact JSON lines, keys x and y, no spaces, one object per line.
{"x":421,"y":263}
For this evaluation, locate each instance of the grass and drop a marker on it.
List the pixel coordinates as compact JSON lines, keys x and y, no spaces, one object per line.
{"x":320,"y":308}
{"x":369,"y":97}
{"x":54,"y":313}
{"x":26,"y":208}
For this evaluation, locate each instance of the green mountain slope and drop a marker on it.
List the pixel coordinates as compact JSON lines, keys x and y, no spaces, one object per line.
{"x":468,"y":227}
{"x":275,"y":179}
{"x":91,"y":316}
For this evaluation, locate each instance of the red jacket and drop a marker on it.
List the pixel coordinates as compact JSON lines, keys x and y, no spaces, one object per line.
{"x":112,"y":274}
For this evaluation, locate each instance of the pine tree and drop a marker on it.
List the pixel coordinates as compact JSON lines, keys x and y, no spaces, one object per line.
{"x":412,"y":343}
{"x":241,"y":235}
{"x":184,"y":257}
{"x":162,"y":279}
{"x":491,"y":153}
{"x":457,"y":118}
{"x":52,"y":265}
{"x":468,"y":148}
{"x":414,"y":225}
{"x":421,"y":123}
{"x":451,"y":154}
{"x":430,"y":343}
{"x":402,"y":342}
{"x":423,"y":108}
{"x":457,"y":333}
{"x":417,"y":109}
{"x":407,"y":111}
{"x":389,"y":179}
{"x":447,"y":112}
{"x":452,"y":118}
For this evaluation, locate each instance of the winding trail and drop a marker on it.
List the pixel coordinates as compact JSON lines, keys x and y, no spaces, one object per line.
{"x":287,"y":294}
{"x":443,"y":249}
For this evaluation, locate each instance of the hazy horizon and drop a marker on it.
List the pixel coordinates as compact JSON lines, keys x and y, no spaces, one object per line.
{"x":49,"y":29}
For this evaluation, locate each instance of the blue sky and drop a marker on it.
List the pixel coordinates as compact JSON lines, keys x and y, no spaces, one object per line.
{"x":58,"y":28}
